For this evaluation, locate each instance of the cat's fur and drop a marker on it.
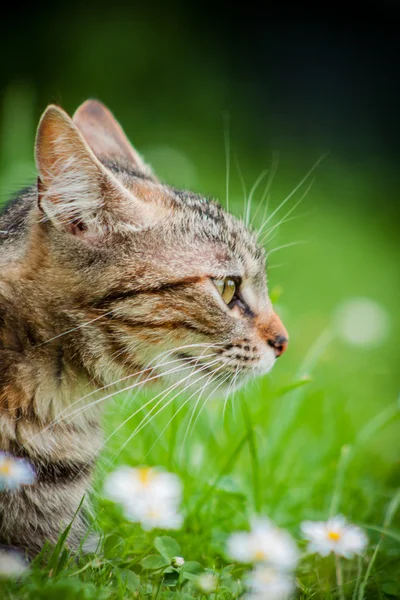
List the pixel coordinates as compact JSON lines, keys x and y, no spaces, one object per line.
{"x":105,"y":272}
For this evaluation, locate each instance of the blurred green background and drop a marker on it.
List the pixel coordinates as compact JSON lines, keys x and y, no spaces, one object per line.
{"x":286,"y":86}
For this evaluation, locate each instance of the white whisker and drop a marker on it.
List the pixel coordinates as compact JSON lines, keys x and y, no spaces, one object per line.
{"x":147,"y":420}
{"x":113,"y":383}
{"x":289,"y":212}
{"x":227,"y":156}
{"x":250,"y":198}
{"x":79,"y":326}
{"x":266,"y":193}
{"x":289,"y":196}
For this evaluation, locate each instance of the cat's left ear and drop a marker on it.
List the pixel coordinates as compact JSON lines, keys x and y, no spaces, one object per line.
{"x":76,"y":193}
{"x":107,"y":139}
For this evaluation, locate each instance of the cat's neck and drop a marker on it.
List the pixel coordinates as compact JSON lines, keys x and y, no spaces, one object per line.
{"x":41,"y":370}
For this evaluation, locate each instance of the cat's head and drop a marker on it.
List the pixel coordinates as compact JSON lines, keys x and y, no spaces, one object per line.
{"x":149,"y":277}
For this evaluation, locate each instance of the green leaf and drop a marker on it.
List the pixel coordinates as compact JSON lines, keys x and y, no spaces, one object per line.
{"x":131,"y":580}
{"x":113,"y":545}
{"x":167,"y":547}
{"x":191,"y":570}
{"x":154,"y":561}
{"x":391,"y":588}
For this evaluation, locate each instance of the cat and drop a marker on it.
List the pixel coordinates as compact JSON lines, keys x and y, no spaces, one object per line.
{"x":106,"y":273}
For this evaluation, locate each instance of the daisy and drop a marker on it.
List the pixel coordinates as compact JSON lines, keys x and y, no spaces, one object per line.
{"x":265,"y":583}
{"x":12,"y":565}
{"x":334,"y":535}
{"x":153,"y":513}
{"x":127,"y":483}
{"x":207,"y":582}
{"x":14,"y":472}
{"x":149,"y":496}
{"x":264,"y":543}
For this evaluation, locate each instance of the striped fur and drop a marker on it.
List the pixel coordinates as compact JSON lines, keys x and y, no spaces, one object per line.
{"x":104,"y":273}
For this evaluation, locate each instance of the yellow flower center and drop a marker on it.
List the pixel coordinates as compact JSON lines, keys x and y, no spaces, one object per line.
{"x":259,"y":555}
{"x":145,"y":475}
{"x":334,"y":536}
{"x":5,"y":468}
{"x":153,"y":514}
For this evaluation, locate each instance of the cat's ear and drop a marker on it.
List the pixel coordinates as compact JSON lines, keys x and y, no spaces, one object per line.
{"x":106,"y":138}
{"x":75,"y":191}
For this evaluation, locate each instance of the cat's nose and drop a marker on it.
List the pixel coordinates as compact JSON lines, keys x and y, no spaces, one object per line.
{"x":273,"y":332}
{"x":279,"y":344}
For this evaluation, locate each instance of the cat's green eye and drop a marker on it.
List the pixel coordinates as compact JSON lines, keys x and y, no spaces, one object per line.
{"x":226,"y":287}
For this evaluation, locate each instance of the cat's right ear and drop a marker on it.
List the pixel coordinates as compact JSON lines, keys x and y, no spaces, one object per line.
{"x":107,"y":139}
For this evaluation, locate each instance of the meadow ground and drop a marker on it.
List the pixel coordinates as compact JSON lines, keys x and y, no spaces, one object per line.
{"x":318,"y":436}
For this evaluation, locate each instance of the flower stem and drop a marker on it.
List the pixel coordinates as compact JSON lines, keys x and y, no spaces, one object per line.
{"x":339,"y":577}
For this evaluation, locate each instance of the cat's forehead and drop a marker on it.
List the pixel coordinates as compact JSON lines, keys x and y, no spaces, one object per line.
{"x":205,"y":219}
{"x":195,"y":227}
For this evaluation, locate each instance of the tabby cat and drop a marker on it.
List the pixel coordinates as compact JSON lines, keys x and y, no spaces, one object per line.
{"x":106,"y":273}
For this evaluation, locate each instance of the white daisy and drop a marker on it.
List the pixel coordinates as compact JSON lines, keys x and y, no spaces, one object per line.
{"x":334,"y":535}
{"x":264,"y":543}
{"x":265,"y":583}
{"x":207,"y":582}
{"x":127,"y":483}
{"x":153,"y":513}
{"x":14,"y":472}
{"x":12,"y":565}
{"x":149,"y":496}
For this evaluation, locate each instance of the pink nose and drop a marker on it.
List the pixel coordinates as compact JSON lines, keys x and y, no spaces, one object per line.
{"x":279,"y":344}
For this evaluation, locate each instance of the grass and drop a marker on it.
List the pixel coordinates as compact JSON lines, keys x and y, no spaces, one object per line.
{"x":316,"y":437}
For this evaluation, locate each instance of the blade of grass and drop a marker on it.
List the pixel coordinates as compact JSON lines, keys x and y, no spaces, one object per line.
{"x":255,"y":463}
{"x":391,"y":511}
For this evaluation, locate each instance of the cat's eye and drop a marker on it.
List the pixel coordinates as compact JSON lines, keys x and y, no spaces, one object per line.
{"x":226,"y":288}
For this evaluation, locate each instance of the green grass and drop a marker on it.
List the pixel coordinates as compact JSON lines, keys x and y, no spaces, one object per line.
{"x":316,"y":436}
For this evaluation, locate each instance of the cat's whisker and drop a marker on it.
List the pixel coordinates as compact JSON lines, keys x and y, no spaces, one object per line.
{"x":289,"y":212}
{"x":289,"y":196}
{"x":136,"y":374}
{"x":195,"y":408}
{"x":179,"y":410}
{"x":79,"y":411}
{"x":146,"y":420}
{"x":164,"y":393}
{"x":289,"y":245}
{"x":194,"y":360}
{"x":208,"y":397}
{"x":81,"y":326}
{"x":70,"y":415}
{"x":233,"y":398}
{"x":227,"y":155}
{"x":266,"y":193}
{"x":251,"y":195}
{"x":243,"y":184}
{"x":193,"y":412}
{"x":232,"y":383}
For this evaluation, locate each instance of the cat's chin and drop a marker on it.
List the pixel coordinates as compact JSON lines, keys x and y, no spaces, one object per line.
{"x":266,"y":363}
